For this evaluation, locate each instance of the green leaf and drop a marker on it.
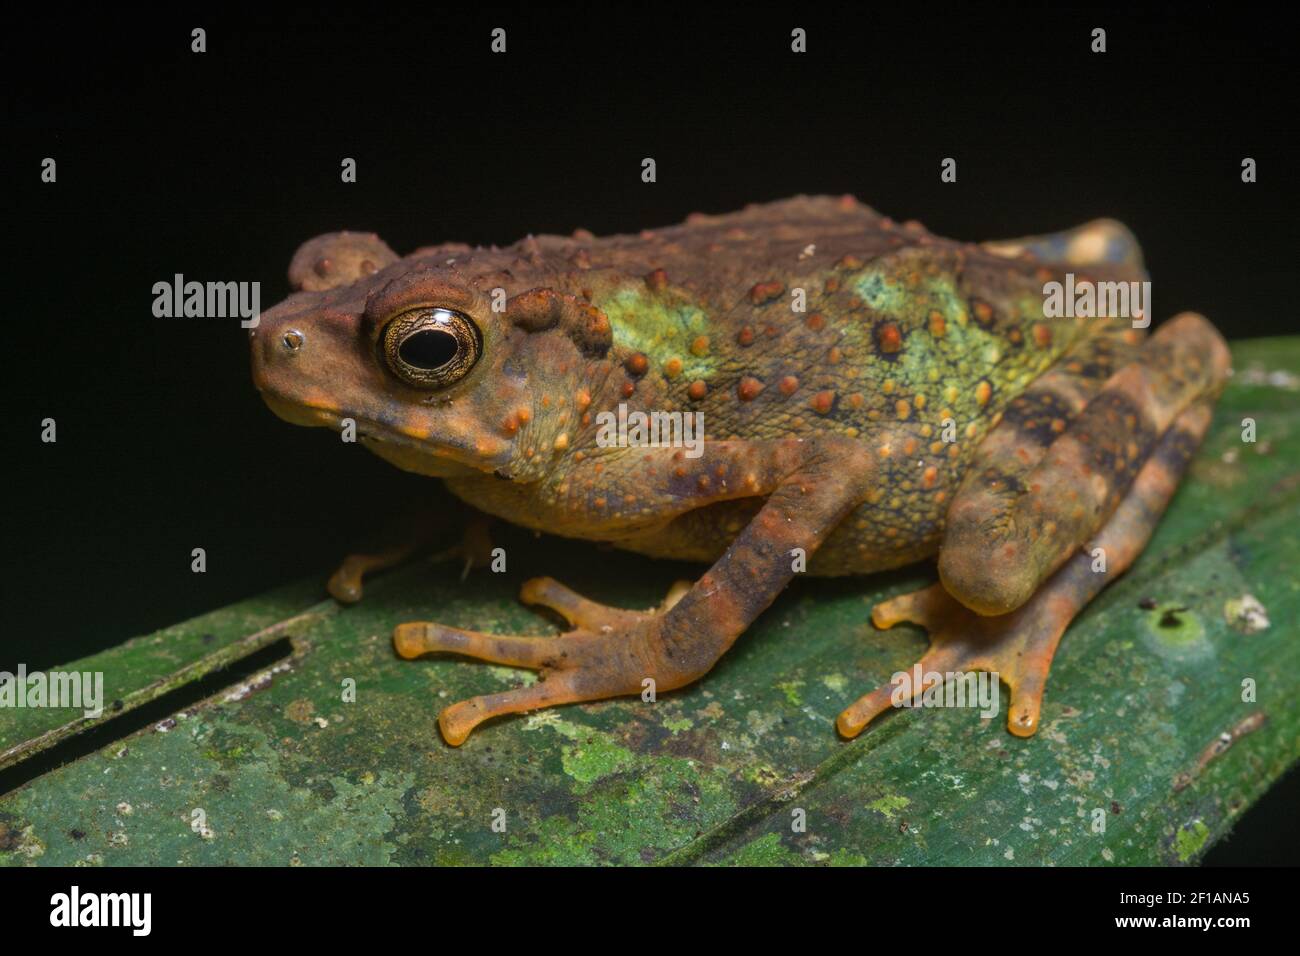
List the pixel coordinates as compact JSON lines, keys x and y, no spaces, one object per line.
{"x":1144,"y":725}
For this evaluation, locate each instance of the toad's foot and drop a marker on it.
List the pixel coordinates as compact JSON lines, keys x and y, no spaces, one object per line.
{"x":591,"y":615}
{"x":1018,"y":647}
{"x":609,"y":653}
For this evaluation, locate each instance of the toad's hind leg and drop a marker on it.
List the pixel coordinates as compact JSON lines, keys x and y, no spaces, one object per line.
{"x":1003,"y":540}
{"x":1019,"y":646}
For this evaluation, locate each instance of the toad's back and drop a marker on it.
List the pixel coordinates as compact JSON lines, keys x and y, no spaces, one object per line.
{"x":818,"y":314}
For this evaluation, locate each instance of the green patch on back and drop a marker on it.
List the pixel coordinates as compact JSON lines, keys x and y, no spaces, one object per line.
{"x":964,"y":352}
{"x":661,"y":328}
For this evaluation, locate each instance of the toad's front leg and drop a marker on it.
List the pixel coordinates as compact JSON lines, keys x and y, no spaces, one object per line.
{"x":406,"y":536}
{"x":810,"y":486}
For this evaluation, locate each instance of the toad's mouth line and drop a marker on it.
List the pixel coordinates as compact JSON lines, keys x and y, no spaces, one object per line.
{"x":382,"y":439}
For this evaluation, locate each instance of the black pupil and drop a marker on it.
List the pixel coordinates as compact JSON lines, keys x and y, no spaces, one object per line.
{"x":428,"y":349}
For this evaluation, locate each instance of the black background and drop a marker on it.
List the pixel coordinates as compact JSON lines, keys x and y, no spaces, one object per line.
{"x":218,"y":165}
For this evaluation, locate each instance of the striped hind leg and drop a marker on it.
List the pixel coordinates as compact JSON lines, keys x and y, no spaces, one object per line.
{"x":1019,"y":646}
{"x":1040,"y":491}
{"x":1026,"y":428}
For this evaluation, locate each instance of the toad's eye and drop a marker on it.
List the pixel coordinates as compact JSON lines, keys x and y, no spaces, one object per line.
{"x":431,"y":348}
